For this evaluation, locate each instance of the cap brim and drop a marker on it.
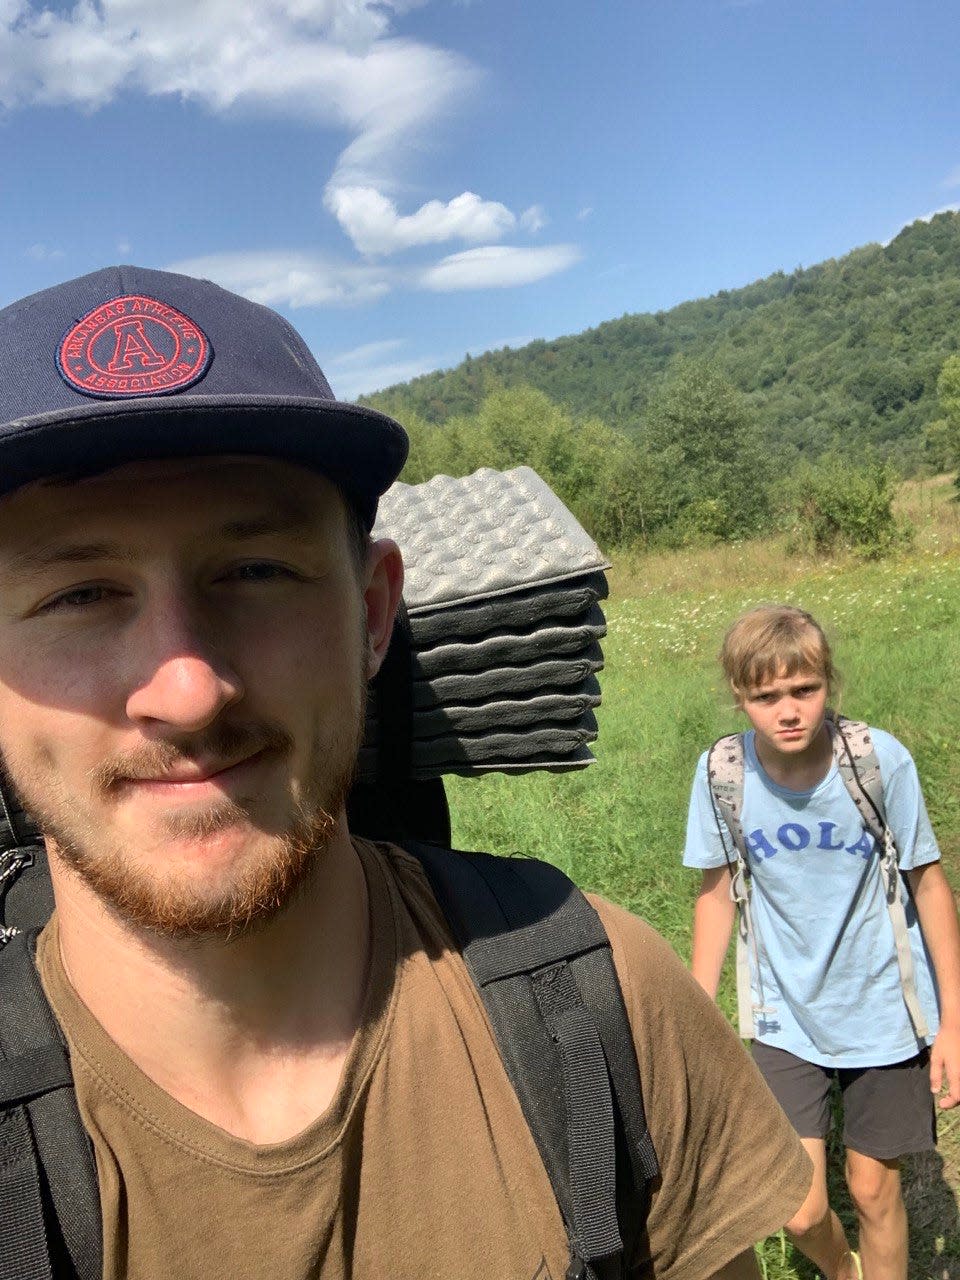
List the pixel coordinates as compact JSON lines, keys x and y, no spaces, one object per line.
{"x":361,"y":450}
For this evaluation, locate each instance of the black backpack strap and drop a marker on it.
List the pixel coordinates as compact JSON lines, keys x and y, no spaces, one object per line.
{"x":543,"y":965}
{"x":50,"y":1222}
{"x":393,"y":805}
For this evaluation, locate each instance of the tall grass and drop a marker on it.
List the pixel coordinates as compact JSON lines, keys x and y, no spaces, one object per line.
{"x":618,"y":827}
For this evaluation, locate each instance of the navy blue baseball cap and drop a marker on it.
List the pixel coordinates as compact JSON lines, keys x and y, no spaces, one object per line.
{"x":128,"y":364}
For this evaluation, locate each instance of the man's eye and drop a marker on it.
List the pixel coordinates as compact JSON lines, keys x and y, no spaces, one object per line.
{"x":77,"y":598}
{"x":260,"y":571}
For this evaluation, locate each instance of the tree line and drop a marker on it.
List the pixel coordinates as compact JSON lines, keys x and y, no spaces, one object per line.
{"x":697,"y":470}
{"x":832,"y":360}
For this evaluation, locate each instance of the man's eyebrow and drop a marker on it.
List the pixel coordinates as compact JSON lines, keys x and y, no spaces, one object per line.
{"x":294,"y":521}
{"x":35,"y":559}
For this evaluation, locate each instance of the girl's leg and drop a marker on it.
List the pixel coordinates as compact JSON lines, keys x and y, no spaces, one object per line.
{"x":803,"y":1090}
{"x":875,"y":1191}
{"x":816,"y":1229}
{"x":888,"y":1111}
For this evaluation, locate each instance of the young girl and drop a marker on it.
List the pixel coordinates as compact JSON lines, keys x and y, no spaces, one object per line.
{"x":825,"y":975}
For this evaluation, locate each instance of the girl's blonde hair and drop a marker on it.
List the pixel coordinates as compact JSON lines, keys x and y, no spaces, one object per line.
{"x":773,"y":640}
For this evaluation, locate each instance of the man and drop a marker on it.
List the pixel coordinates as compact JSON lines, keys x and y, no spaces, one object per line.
{"x":279,"y":1057}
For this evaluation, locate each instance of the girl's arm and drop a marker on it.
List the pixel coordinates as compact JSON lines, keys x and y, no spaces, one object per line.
{"x":712,"y":925}
{"x":937,"y":913}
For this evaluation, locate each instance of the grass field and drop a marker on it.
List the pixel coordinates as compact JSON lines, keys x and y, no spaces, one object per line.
{"x":617,"y":827}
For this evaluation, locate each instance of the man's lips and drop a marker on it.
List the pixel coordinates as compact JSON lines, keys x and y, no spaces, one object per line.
{"x":192,"y":775}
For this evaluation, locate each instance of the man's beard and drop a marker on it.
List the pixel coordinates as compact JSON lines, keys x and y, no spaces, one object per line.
{"x":258,"y":890}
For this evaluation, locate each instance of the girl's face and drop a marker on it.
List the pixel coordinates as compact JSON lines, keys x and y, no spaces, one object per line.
{"x":787,"y":712}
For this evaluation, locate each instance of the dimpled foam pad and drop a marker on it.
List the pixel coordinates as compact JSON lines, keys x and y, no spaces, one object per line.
{"x":567,"y":599}
{"x":480,"y":717}
{"x":489,"y":534}
{"x":502,"y":589}
{"x":534,"y":749}
{"x":479,"y":686}
{"x":549,"y":640}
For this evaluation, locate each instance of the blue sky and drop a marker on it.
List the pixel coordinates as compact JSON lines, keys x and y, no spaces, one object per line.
{"x":411,"y":180}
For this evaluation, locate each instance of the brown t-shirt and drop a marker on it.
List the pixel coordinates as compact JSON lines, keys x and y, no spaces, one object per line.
{"x":423,"y":1166}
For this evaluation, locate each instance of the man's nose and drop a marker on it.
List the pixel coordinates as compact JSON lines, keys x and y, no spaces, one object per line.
{"x":178,"y":676}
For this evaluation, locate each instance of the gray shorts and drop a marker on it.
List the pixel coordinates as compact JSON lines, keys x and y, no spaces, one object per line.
{"x":887,"y":1111}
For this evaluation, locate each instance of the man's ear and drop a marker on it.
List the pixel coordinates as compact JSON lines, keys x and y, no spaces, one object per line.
{"x":381,"y":598}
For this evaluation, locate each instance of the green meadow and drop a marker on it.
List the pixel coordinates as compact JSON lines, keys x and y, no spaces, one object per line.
{"x":617,"y":827}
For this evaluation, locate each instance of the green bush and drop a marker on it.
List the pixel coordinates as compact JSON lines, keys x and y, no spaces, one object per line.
{"x":702,"y":523}
{"x":840,"y":505}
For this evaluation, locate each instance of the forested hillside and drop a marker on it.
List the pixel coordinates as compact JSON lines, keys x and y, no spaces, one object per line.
{"x":832,"y":358}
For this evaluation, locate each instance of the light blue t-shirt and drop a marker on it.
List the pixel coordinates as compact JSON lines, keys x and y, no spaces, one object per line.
{"x":827,"y":957}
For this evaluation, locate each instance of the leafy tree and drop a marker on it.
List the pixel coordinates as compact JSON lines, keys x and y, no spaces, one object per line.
{"x":707,"y":455}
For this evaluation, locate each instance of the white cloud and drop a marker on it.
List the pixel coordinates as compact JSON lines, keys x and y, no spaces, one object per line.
{"x":283,"y":279}
{"x":335,"y":63}
{"x":498,"y":267}
{"x":366,"y":354}
{"x":585,"y":213}
{"x":43,"y":253}
{"x":946,"y":208}
{"x":923,"y":217}
{"x":289,"y":279}
{"x":372,"y":222}
{"x":533,"y":219}
{"x":331,"y":61}
{"x":374,"y":366}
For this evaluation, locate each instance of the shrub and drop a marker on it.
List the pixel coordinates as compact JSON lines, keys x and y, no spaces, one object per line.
{"x":839,"y":505}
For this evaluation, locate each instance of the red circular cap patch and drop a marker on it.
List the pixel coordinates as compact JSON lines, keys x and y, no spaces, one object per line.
{"x":133,"y":346}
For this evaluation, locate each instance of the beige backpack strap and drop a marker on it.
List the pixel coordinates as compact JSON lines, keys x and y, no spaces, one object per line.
{"x":725,"y":781}
{"x":859,"y":768}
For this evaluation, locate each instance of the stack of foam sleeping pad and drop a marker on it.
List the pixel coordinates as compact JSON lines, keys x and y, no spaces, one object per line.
{"x":494,"y":664}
